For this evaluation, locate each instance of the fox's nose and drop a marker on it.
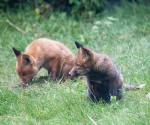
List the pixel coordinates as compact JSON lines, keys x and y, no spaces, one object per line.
{"x":69,"y":74}
{"x":72,"y":73}
{"x":24,"y":85}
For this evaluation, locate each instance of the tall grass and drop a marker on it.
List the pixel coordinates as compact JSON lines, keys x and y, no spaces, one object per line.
{"x":123,"y":34}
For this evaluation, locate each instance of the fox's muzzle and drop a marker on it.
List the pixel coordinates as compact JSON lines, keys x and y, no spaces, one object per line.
{"x":25,"y":83}
{"x":71,"y":74}
{"x":75,"y":73}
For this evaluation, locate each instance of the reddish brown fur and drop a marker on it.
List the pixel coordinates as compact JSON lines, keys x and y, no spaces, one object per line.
{"x":44,"y":53}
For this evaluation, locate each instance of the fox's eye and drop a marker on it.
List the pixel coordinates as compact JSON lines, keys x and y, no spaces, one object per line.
{"x":77,"y":64}
{"x":23,"y":74}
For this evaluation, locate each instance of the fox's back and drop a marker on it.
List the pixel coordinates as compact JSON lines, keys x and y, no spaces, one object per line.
{"x":47,"y":48}
{"x":104,"y":64}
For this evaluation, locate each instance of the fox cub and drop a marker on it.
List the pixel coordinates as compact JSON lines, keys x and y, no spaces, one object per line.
{"x":44,"y":53}
{"x":102,"y":77}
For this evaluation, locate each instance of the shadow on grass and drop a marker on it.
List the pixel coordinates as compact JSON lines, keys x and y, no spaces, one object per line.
{"x":36,"y":81}
{"x":39,"y":80}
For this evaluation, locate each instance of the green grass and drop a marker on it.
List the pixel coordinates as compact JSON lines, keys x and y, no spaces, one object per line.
{"x":124,"y":35}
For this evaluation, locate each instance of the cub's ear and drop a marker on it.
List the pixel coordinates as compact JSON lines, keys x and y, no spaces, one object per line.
{"x":26,"y":60}
{"x":82,"y":50}
{"x":86,"y":52}
{"x":16,"y":52}
{"x":78,"y":45}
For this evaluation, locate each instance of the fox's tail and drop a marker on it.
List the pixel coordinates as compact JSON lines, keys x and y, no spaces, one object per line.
{"x":132,"y":87}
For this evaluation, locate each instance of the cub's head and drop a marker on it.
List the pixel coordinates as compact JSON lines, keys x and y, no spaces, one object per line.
{"x":83,"y":62}
{"x":25,"y":66}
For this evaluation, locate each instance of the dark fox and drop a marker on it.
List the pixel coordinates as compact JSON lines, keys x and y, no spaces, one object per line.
{"x":102,"y":76}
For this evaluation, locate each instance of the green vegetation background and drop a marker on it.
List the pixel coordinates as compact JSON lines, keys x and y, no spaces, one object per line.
{"x":123,"y":33}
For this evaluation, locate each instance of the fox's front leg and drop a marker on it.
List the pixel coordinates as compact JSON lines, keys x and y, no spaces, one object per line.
{"x":91,"y":95}
{"x":119,"y":92}
{"x":54,"y":67}
{"x":90,"y":92}
{"x":65,"y":71}
{"x":52,"y":73}
{"x":112,"y":89}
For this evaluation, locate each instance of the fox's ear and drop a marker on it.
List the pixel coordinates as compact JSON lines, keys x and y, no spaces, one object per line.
{"x":78,"y":45}
{"x":26,"y":60}
{"x":16,"y":52}
{"x":86,"y":53}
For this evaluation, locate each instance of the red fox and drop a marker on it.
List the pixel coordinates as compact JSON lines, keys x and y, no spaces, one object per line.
{"x":44,"y":53}
{"x":102,"y":76}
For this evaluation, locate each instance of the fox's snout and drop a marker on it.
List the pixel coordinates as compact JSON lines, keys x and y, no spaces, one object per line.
{"x":71,"y":74}
{"x":75,"y":73}
{"x":24,"y":82}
